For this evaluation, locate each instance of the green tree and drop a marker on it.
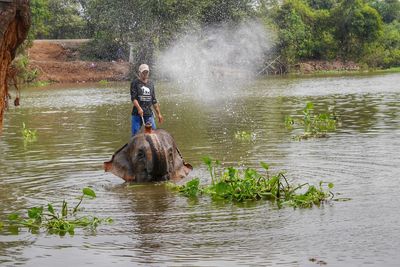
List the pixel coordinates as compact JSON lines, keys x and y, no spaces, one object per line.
{"x":385,"y":52}
{"x":153,"y":24}
{"x":223,"y":11}
{"x":322,"y":4}
{"x":112,"y":24}
{"x":388,"y":9}
{"x":65,"y":20}
{"x":356,"y":25}
{"x":295,"y":21}
{"x":325,"y":46}
{"x":40,"y":14}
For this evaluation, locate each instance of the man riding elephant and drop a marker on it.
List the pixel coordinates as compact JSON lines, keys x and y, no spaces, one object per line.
{"x":149,"y":156}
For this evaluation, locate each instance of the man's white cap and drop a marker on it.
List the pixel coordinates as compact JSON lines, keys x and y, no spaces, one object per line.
{"x":144,"y":67}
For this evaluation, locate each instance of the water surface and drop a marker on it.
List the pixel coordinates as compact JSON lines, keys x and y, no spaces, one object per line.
{"x":79,"y":127}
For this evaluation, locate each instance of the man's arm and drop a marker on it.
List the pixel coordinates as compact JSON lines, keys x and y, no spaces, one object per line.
{"x":157,"y":106}
{"x":160,"y":117}
{"x":134,"y":96}
{"x":139,"y":108}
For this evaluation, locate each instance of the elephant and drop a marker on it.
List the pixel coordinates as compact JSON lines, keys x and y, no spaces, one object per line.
{"x":150,"y":156}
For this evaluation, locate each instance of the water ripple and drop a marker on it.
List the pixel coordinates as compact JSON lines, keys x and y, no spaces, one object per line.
{"x":80,"y":128}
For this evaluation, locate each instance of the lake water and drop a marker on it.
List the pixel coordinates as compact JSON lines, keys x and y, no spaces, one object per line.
{"x":80,"y":127}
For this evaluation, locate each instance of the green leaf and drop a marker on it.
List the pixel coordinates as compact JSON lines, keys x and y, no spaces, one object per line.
{"x":264,"y":165}
{"x":71,"y":231}
{"x":89,"y":192}
{"x":221,"y":188}
{"x":13,"y":216}
{"x":207,"y":160}
{"x":232,"y":172}
{"x":64,"y":210}
{"x":309,"y":105}
{"x":35,"y":212}
{"x":330,"y":185}
{"x":193,"y":183}
{"x":50,"y":208}
{"x":109,"y":220}
{"x":323,"y":116}
{"x":191,"y":188}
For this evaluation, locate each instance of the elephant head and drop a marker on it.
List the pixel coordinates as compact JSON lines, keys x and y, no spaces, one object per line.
{"x":149,"y":156}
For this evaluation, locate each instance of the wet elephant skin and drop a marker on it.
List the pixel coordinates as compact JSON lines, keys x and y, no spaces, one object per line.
{"x":149,"y":157}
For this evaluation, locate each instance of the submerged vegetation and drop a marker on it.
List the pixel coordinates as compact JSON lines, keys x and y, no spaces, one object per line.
{"x":314,"y":125}
{"x":55,"y":222}
{"x":246,"y":185}
{"x":245,"y":136}
{"x":28,"y":134}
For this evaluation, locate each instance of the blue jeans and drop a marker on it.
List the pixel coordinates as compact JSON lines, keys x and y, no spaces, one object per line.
{"x":137,"y":123}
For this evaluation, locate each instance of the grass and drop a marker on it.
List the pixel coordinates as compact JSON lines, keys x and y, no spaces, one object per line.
{"x":345,"y":72}
{"x":249,"y":185}
{"x":103,"y":82}
{"x":314,"y":125}
{"x":389,"y":70}
{"x":55,"y":222}
{"x":40,"y":83}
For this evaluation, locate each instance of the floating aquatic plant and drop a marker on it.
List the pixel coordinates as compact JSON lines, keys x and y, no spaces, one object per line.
{"x":315,"y":125}
{"x":244,"y":136}
{"x":28,"y":134}
{"x":248,"y":184}
{"x":56,"y":222}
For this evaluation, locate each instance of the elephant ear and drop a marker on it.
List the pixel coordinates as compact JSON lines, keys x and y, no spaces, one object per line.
{"x":187,"y":167}
{"x":182,"y":168}
{"x":120,"y":164}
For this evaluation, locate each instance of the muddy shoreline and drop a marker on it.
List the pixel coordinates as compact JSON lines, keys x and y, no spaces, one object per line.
{"x":58,"y":61}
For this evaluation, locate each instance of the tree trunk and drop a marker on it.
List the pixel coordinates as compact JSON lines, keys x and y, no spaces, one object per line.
{"x":15,"y":20}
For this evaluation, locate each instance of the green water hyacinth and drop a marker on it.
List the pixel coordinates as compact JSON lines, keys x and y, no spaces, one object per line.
{"x":314,"y":125}
{"x":28,"y":134}
{"x":56,"y":222}
{"x":249,"y":185}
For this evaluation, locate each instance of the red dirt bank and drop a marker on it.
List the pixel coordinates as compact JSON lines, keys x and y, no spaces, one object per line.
{"x":56,"y":61}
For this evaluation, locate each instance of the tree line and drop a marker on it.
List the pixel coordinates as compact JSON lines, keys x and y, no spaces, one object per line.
{"x":364,"y":31}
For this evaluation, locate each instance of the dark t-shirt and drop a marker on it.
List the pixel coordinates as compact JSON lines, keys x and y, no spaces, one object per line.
{"x":145,"y":95}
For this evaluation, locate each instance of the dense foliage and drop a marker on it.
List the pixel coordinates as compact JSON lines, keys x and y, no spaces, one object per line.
{"x":313,"y":124}
{"x":55,"y":222}
{"x":248,"y":185}
{"x":365,"y":31}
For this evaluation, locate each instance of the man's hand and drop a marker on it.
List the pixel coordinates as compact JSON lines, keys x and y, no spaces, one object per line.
{"x":160,"y":118}
{"x":140,"y":112}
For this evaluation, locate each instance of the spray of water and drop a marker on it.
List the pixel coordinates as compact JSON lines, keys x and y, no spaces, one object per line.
{"x":217,"y":59}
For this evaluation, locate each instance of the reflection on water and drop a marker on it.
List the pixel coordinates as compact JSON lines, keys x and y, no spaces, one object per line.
{"x":80,"y":127}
